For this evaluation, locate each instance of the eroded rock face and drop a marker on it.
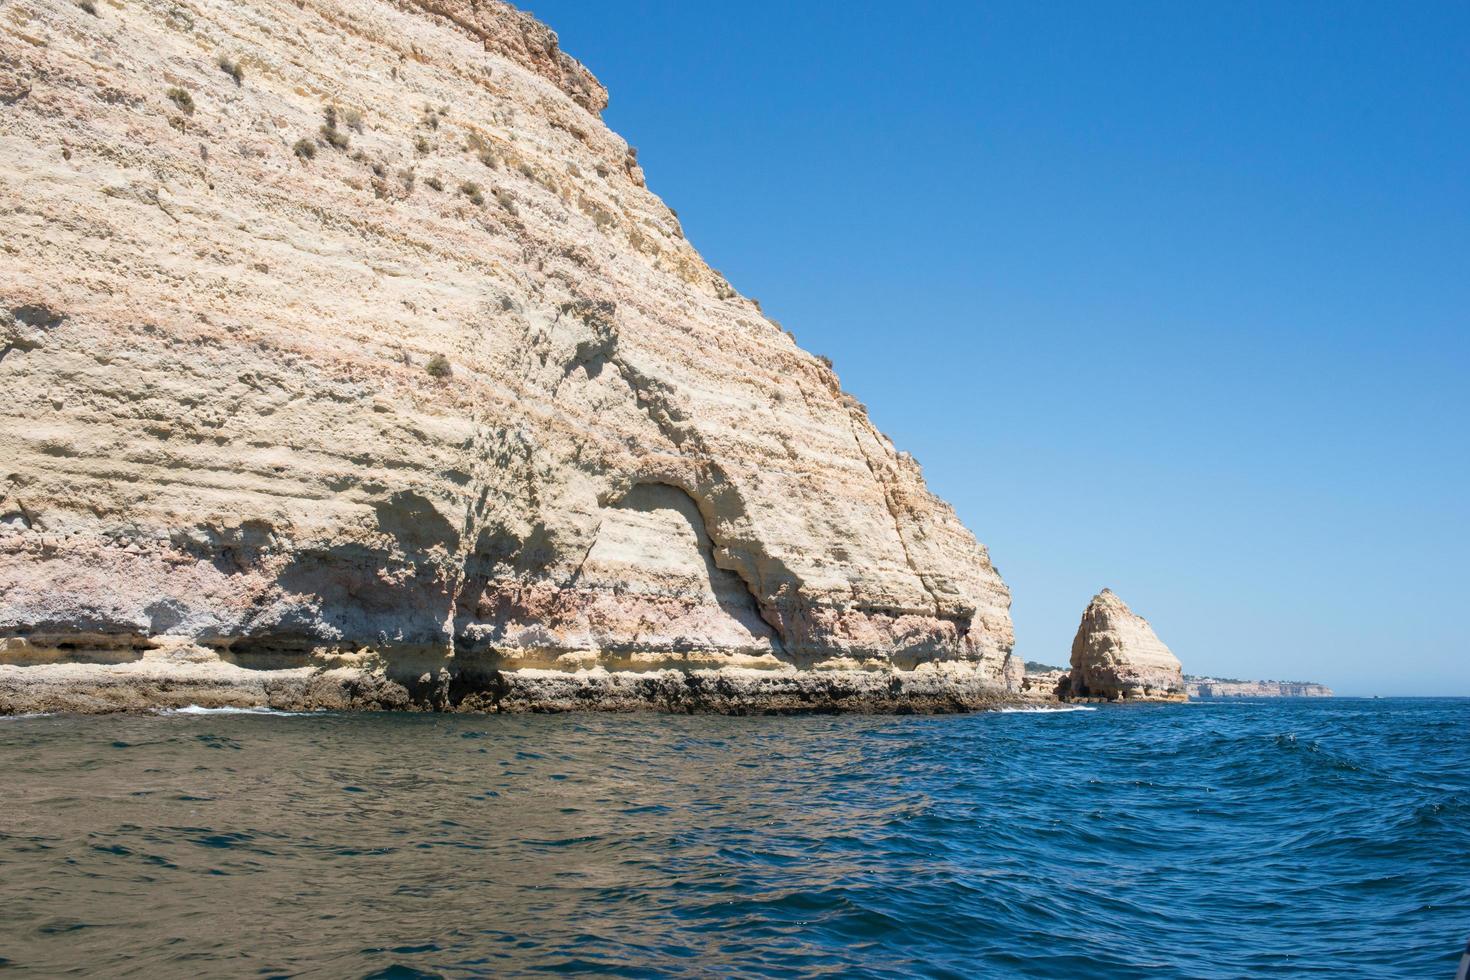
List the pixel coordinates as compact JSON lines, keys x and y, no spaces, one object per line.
{"x":1116,"y":655}
{"x":348,"y":329}
{"x":1044,"y":685}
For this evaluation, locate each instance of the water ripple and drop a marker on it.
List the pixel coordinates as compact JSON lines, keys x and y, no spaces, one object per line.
{"x":1301,"y":838}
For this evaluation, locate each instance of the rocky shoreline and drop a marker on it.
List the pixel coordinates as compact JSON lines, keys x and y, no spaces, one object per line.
{"x":171,"y":682}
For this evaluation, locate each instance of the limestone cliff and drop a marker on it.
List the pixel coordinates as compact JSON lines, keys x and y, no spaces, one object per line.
{"x":336,"y":332}
{"x":1116,"y":655}
{"x":1214,"y":687}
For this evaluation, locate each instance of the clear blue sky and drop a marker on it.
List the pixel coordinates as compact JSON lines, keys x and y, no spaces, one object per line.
{"x":1167,"y":297}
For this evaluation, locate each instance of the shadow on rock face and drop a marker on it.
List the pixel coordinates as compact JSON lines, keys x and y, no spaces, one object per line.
{"x":414,"y":523}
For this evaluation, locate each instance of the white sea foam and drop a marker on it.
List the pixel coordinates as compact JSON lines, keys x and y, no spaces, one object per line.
{"x":1046,"y":711}
{"x":195,"y":709}
{"x":34,"y":714}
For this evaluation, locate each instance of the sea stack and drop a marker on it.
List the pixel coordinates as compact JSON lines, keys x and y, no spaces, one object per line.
{"x":348,"y":358}
{"x":1116,"y":656}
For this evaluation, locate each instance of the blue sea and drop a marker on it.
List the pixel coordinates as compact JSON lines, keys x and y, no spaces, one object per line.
{"x":1218,"y":839}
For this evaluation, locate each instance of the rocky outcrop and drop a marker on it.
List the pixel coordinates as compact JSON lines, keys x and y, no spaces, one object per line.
{"x":346,"y":332}
{"x":1044,"y":685}
{"x":1214,"y":687}
{"x":1116,"y":656}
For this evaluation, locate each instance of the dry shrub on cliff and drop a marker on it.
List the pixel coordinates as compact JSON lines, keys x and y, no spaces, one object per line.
{"x":182,"y":99}
{"x":434,"y":183}
{"x":89,"y":7}
{"x":232,"y":68}
{"x":438,"y":366}
{"x":471,"y":190}
{"x":331,"y":135}
{"x":476,"y":144}
{"x":421,"y":146}
{"x":826,"y":361}
{"x":304,"y":148}
{"x":507,"y":200}
{"x":352,"y":119}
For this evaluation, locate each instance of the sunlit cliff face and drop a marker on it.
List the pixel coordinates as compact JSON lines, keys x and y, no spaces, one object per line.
{"x":341,"y":330}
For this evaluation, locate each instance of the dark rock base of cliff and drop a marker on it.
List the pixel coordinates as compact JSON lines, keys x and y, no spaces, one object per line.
{"x":147,"y":686}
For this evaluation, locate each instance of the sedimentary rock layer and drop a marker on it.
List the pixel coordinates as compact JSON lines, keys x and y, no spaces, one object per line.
{"x":346,"y":328}
{"x":1116,"y":655}
{"x":174,"y":681}
{"x":1213,"y":687}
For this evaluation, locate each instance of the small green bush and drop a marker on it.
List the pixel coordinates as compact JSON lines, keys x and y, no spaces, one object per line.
{"x":438,"y":366}
{"x":182,"y":99}
{"x":826,"y":361}
{"x":305,"y":149}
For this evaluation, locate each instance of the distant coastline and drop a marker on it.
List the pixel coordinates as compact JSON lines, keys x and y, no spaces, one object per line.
{"x":1207,"y":688}
{"x":1040,"y":676}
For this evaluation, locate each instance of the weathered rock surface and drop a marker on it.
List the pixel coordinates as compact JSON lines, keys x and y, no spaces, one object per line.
{"x":1045,"y":685}
{"x":1213,"y":687}
{"x":1116,"y":655}
{"x":185,"y":676}
{"x":345,"y":330}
